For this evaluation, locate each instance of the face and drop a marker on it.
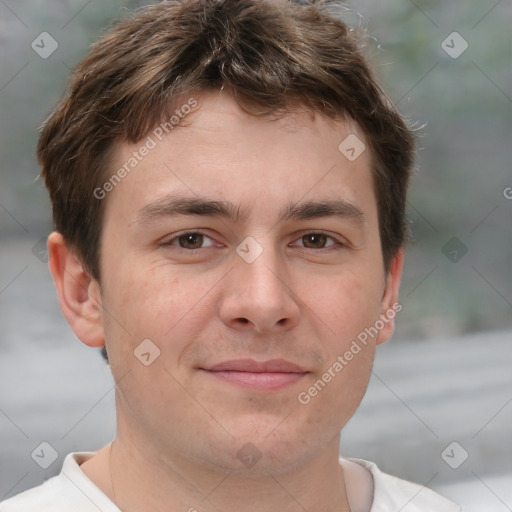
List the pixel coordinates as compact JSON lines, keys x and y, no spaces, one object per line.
{"x":247,"y":252}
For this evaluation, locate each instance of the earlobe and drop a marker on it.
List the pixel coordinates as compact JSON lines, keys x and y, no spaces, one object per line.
{"x":390,"y":305}
{"x":78,"y":293}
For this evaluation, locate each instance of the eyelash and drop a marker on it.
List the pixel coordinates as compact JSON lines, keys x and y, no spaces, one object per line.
{"x":336,"y":242}
{"x":178,"y":248}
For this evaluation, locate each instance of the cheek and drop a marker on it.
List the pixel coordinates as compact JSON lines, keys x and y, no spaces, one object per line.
{"x":331,"y":398}
{"x":346,"y":303}
{"x":155,"y":302}
{"x":350,"y":384}
{"x":147,"y":297}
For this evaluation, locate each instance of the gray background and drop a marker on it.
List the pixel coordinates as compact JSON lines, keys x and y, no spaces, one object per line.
{"x":445,"y":377}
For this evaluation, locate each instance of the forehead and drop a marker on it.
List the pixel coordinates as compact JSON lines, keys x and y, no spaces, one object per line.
{"x":217,"y":149}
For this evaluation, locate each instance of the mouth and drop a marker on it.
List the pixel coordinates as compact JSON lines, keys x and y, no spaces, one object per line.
{"x":266,"y":376}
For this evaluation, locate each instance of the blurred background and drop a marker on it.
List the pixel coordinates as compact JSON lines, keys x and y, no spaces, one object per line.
{"x":439,"y":406}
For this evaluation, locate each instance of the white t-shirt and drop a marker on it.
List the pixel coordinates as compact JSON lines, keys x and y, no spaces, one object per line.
{"x":73,"y":491}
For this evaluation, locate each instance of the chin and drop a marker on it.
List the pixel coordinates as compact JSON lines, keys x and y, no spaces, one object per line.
{"x":259,"y":449}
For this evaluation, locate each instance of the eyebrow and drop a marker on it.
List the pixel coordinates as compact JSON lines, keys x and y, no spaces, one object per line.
{"x":172,"y":206}
{"x":314,"y":209}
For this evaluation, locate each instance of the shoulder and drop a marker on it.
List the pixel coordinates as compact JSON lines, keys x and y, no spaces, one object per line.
{"x":70,"y":490}
{"x":52,"y":495}
{"x":391,"y":494}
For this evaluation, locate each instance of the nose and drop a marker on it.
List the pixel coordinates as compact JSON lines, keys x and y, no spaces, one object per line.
{"x":258,"y":296}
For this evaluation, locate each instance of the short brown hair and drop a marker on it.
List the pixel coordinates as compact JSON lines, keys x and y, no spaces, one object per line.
{"x":270,"y":54}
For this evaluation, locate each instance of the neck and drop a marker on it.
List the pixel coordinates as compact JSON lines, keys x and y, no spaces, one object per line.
{"x":140,"y":480}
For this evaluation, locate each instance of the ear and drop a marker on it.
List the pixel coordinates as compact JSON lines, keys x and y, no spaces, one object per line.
{"x":79,"y":294}
{"x":390,"y":306}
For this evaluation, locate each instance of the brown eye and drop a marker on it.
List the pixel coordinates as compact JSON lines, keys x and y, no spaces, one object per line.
{"x":191,"y":240}
{"x":315,"y":240}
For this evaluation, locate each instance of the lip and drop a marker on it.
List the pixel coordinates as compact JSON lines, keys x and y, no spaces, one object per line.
{"x":250,"y":365}
{"x":266,"y":375}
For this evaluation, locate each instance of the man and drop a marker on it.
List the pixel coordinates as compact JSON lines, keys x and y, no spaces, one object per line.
{"x":228,"y":185}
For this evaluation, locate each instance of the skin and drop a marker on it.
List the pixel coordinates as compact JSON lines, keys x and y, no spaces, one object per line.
{"x":180,"y":427}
